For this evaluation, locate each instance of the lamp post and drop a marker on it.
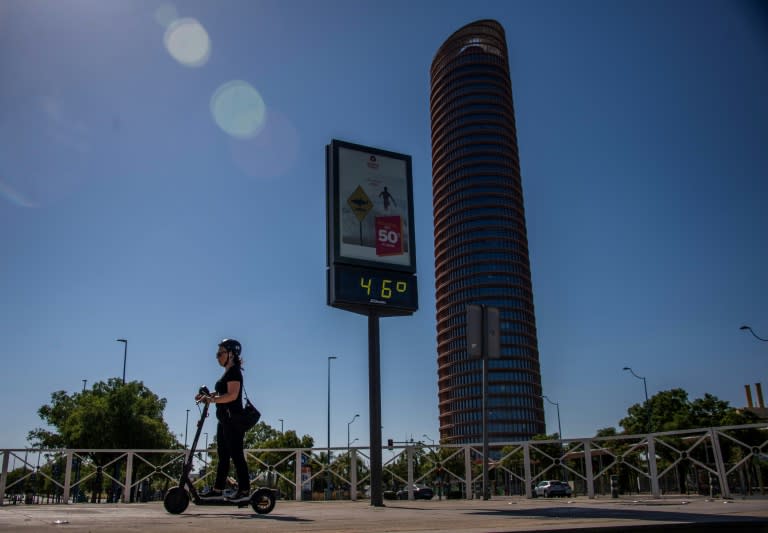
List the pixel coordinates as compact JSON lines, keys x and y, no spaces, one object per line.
{"x":281,"y":425}
{"x":328,"y":456}
{"x":645,"y":388}
{"x":429,"y":438}
{"x":753,"y":333}
{"x":125,"y":354}
{"x":559,"y":428}
{"x":559,"y":431}
{"x":186,"y":429}
{"x":84,"y":382}
{"x":349,"y":424}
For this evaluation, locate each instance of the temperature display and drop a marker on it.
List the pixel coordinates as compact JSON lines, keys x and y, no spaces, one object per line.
{"x":354,"y":287}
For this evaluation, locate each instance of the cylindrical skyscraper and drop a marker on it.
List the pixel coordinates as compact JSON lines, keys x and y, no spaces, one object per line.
{"x":481,"y":243}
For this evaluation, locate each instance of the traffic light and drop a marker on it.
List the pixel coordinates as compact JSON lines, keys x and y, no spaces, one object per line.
{"x":390,"y":444}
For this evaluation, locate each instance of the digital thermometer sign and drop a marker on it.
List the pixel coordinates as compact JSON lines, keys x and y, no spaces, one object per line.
{"x":371,"y":248}
{"x":353,"y":287}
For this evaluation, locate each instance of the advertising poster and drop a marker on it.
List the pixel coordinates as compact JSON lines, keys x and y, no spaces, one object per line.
{"x":374,"y":223}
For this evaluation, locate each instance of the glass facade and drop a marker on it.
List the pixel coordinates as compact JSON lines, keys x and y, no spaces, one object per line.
{"x":481,"y":243}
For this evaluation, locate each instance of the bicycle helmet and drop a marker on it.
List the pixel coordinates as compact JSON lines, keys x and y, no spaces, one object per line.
{"x":231,"y":345}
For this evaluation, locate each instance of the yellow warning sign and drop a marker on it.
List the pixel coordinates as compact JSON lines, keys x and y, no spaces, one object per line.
{"x":360,"y":203}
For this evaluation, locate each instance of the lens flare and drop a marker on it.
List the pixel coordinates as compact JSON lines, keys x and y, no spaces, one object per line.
{"x":272,"y":153}
{"x":187,"y":42}
{"x":165,"y":14}
{"x":15,"y":196}
{"x":238,"y":109}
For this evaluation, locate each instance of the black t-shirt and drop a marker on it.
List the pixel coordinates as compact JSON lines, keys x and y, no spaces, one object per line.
{"x":236,"y":406}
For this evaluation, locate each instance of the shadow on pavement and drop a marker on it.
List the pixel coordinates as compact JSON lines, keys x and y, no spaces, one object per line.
{"x":620,"y":514}
{"x":252,"y":516}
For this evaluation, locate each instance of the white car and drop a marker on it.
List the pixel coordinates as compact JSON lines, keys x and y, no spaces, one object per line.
{"x":552,"y":488}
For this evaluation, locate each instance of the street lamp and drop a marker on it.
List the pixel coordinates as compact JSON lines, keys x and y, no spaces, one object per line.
{"x":125,"y":354}
{"x":349,"y":424}
{"x":753,"y":333}
{"x":559,"y":428}
{"x":645,"y":388}
{"x":559,"y":432}
{"x":84,"y":382}
{"x":429,"y":438}
{"x":281,"y":425}
{"x":328,"y":456}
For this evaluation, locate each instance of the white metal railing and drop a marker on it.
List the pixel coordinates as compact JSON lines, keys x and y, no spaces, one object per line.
{"x":720,"y":460}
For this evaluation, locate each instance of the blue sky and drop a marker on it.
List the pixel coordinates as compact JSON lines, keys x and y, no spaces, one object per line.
{"x":162,"y":180}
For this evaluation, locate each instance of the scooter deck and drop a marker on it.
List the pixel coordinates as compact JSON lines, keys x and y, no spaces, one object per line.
{"x":222,"y":500}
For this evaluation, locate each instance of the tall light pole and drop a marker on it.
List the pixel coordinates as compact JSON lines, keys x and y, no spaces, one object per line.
{"x":281,"y":425}
{"x":125,"y":354}
{"x":328,"y":456}
{"x":645,"y":388}
{"x":559,"y":432}
{"x":349,"y":424}
{"x":186,"y":429}
{"x":753,"y":333}
{"x":84,"y":382}
{"x":559,"y":427}
{"x":429,"y":438}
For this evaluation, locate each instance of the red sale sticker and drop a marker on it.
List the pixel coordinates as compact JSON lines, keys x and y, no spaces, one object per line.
{"x":389,"y":235}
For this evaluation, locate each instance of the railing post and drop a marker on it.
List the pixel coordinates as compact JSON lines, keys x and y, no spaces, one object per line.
{"x":353,"y":475}
{"x":67,"y":475}
{"x":468,"y":473}
{"x":652,"y":467}
{"x":4,"y":475}
{"x":298,"y":487}
{"x":128,"y":478}
{"x":409,"y":456}
{"x":527,"y":467}
{"x":717,"y":452}
{"x":588,"y":469}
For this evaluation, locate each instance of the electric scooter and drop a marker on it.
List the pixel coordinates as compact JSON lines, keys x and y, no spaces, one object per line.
{"x":177,"y":498}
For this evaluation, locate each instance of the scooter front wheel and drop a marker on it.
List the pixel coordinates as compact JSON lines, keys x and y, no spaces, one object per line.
{"x":176,"y":500}
{"x":263,"y":501}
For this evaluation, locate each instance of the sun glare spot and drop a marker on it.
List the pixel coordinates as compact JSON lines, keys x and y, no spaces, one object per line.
{"x":272,"y":153}
{"x":15,"y":196}
{"x":165,"y":14}
{"x":187,"y":42}
{"x":238,"y":109}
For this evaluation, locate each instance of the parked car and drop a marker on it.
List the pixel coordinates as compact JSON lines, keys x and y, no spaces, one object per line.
{"x":420,"y":492}
{"x":552,"y":488}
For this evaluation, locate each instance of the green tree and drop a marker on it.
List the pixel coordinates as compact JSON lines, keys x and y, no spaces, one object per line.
{"x":110,"y":415}
{"x":671,"y":411}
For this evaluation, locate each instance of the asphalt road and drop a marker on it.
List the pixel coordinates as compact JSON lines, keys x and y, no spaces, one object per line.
{"x":458,"y":516}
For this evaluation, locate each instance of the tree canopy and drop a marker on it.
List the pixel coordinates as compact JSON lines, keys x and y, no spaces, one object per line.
{"x":110,"y":415}
{"x":671,"y":411}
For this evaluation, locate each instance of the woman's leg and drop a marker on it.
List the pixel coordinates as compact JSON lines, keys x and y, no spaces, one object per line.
{"x":234,"y":439}
{"x":225,"y":453}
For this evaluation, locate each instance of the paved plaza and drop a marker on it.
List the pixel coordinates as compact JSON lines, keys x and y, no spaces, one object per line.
{"x":459,"y":516}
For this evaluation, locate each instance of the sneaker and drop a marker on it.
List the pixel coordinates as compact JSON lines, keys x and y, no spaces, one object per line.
{"x":241,"y":496}
{"x":213,"y":494}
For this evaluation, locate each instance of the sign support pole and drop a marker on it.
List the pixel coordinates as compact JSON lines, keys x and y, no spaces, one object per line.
{"x":374,"y":406}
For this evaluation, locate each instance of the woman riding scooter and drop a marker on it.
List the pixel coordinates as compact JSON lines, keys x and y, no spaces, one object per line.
{"x":229,"y":438}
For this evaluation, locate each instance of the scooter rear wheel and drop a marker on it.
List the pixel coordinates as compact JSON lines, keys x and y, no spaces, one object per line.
{"x":176,"y":500}
{"x":263,"y":501}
